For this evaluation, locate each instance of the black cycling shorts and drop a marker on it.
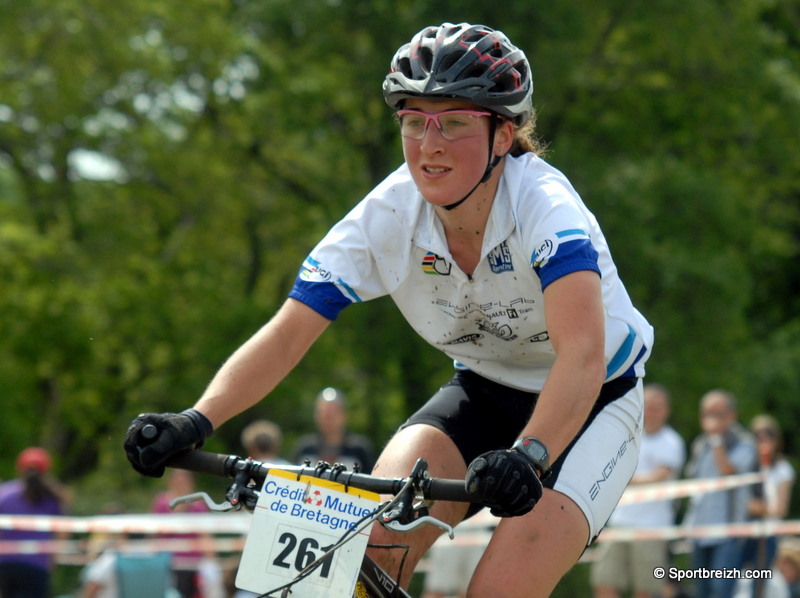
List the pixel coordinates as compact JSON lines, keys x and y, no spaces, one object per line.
{"x":480,"y":415}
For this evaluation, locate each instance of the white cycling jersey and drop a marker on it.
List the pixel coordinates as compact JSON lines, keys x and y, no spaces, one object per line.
{"x":492,"y":322}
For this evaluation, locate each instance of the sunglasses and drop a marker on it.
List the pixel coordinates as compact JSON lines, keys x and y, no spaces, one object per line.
{"x":452,"y":124}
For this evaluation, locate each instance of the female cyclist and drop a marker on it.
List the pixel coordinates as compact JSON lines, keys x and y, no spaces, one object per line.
{"x":493,"y":258}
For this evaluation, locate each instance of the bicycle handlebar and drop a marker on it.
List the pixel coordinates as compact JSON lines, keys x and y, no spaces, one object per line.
{"x":202,"y":462}
{"x":221,"y":465}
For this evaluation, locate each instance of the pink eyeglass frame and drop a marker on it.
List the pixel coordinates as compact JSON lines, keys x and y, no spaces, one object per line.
{"x":434,"y":116}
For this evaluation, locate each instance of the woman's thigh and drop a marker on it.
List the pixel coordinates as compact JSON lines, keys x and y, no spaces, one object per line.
{"x":528,"y":555}
{"x":397,"y":460}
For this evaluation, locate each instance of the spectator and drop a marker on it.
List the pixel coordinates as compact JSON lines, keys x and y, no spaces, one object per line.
{"x":34,"y":492}
{"x":332,"y":442}
{"x":261,"y":440}
{"x":773,"y":587}
{"x":788,"y":564}
{"x":114,"y":571}
{"x":185,"y":563}
{"x":771,"y":501}
{"x":723,"y":448}
{"x":626,"y":566}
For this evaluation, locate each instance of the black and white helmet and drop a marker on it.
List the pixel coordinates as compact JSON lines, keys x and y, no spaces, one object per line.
{"x":473,"y":63}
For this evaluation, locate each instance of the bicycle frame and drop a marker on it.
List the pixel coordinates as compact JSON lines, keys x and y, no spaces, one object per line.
{"x":374,"y":582}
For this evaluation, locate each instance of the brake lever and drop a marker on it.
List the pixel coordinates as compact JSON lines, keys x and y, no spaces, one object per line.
{"x":420,"y":521}
{"x":202,"y":496}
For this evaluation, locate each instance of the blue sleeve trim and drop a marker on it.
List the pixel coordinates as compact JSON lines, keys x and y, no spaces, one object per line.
{"x":570,"y":232}
{"x":571,"y":256}
{"x":325,"y":298}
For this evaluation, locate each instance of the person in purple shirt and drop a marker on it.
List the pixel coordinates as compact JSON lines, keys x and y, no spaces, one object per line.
{"x":33,"y":492}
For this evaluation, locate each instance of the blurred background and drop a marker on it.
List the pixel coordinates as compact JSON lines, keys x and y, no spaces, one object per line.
{"x":165,"y":168}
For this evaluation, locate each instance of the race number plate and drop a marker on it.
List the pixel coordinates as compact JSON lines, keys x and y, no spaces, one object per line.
{"x":294,"y":523}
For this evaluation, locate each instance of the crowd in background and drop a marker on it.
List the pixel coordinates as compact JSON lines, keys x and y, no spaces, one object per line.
{"x":725,"y":447}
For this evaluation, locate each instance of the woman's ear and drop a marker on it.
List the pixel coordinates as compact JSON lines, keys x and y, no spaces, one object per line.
{"x":503,"y":137}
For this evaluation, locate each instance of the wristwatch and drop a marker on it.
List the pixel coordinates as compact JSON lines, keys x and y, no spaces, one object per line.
{"x":536,"y":452}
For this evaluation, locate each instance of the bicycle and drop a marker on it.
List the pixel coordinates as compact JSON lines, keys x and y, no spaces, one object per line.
{"x":405,"y":512}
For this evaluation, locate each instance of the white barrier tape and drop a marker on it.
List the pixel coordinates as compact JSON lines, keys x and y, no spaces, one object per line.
{"x":238,"y":523}
{"x":682,"y":488}
{"x":475,"y":536}
{"x":201,"y":545}
{"x":723,"y":530}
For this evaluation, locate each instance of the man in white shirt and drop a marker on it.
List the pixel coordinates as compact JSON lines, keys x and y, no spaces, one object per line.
{"x":626,"y":566}
{"x":724,"y":448}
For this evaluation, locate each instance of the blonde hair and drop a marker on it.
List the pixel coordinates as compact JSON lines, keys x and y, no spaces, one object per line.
{"x":770,"y":424}
{"x":525,"y":139}
{"x":263,"y":436}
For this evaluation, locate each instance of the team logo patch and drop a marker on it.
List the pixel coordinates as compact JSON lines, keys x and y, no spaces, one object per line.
{"x":500,"y":259}
{"x":313,"y":271}
{"x":545,"y":251}
{"x":434,"y":264}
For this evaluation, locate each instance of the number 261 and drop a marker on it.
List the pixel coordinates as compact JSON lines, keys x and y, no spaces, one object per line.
{"x":308,"y":550}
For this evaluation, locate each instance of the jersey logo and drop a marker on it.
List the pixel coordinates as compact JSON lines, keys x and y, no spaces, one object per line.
{"x":434,"y":264}
{"x":500,"y":259}
{"x":539,"y":338}
{"x":545,"y":251}
{"x":467,"y":338}
{"x":313,"y":271}
{"x":501,"y":331}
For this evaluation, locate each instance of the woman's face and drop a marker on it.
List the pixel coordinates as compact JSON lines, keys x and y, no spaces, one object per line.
{"x":445,"y":170}
{"x":766,"y":442}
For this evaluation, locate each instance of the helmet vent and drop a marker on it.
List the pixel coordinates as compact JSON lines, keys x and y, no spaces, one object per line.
{"x":447,"y":61}
{"x":477,"y":70}
{"x":425,"y":61}
{"x":404,"y":66}
{"x":506,"y":82}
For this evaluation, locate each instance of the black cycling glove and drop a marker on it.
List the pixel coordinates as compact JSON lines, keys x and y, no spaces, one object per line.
{"x":505,"y":481}
{"x":170,"y":434}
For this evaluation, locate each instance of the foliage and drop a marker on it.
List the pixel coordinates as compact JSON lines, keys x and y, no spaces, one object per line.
{"x":163,"y":172}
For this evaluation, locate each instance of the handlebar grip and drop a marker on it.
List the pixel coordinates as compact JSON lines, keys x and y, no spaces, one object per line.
{"x":450,"y":490}
{"x":201,"y":462}
{"x":149,"y":432}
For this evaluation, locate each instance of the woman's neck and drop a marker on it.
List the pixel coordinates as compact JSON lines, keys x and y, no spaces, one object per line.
{"x":465,"y":227}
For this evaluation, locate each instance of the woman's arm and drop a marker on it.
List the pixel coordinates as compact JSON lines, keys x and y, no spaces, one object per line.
{"x":91,"y":590}
{"x":575,"y":319}
{"x":784,"y":496}
{"x":262,"y":362}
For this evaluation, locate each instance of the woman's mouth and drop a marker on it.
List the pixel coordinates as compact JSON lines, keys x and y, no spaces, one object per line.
{"x":435,"y":169}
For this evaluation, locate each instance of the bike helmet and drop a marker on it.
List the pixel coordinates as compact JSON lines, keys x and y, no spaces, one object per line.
{"x":473,"y":63}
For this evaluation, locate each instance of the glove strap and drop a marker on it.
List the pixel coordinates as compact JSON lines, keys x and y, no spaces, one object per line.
{"x":200,"y":421}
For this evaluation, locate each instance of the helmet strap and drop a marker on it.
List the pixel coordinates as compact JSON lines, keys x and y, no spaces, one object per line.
{"x":493,"y":161}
